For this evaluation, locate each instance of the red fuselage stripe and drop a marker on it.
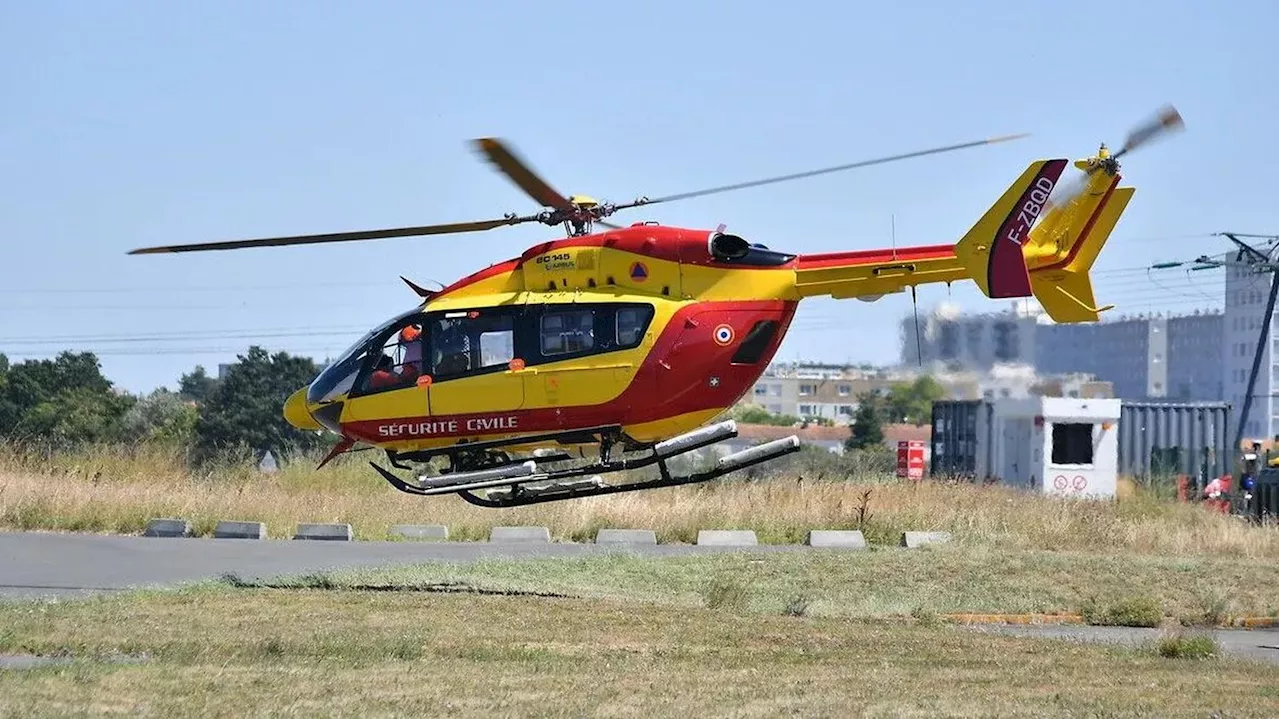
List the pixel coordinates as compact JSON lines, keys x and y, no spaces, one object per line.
{"x":686,"y":371}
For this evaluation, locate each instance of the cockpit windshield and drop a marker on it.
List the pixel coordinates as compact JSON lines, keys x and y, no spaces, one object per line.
{"x":341,"y":373}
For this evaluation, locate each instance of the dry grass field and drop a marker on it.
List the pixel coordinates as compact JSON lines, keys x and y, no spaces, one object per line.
{"x":117,"y":490}
{"x":812,"y":633}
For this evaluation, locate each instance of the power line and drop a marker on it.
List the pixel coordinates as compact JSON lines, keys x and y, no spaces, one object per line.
{"x":1258,"y":263}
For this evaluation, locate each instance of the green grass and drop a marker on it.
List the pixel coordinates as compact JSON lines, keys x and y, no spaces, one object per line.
{"x":218,"y":651}
{"x":1112,"y":589}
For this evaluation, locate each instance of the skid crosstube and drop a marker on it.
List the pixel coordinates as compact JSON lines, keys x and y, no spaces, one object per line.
{"x":515,"y":477}
{"x":586,"y":435}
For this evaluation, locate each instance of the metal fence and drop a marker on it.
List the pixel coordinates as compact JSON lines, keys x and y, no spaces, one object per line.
{"x":1165,"y":438}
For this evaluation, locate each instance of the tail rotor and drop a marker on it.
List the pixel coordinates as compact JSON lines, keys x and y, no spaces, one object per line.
{"x":1167,"y":119}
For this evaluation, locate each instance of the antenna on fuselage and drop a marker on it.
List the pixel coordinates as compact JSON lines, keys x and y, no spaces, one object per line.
{"x":915,"y":308}
{"x":893,"y":236}
{"x":915,"y":312}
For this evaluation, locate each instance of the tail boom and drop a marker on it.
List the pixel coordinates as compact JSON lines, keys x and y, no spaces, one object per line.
{"x":1006,"y":253}
{"x":872,"y":273}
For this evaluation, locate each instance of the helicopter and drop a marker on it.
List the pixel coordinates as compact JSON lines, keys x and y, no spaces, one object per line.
{"x":615,"y":348}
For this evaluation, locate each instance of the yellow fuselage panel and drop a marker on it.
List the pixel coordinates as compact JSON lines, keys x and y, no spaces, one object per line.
{"x":715,"y":284}
{"x":392,"y":404}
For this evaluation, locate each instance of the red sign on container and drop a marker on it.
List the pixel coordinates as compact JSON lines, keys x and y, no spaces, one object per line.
{"x":911,"y":459}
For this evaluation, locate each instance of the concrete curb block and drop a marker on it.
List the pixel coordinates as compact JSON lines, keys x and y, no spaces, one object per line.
{"x":913,"y":540}
{"x":727,"y":537}
{"x":167,"y":528}
{"x":327,"y":532}
{"x":519,"y":534}
{"x":818,"y":538}
{"x":240,"y":530}
{"x":842,"y":538}
{"x":421,"y":532}
{"x":626,"y":536}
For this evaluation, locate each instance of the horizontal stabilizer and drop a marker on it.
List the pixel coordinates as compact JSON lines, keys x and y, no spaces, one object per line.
{"x":1063,"y":287}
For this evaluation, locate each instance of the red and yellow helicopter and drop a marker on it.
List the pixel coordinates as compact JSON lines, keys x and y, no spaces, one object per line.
{"x":611,"y":350}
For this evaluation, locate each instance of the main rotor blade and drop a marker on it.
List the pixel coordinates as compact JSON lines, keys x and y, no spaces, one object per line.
{"x":812,"y":173}
{"x":521,"y":174}
{"x":337,"y":236}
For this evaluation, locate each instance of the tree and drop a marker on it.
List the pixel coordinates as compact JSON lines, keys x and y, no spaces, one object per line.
{"x":161,"y":416}
{"x":912,"y":402}
{"x":66,"y":399}
{"x":246,"y":406}
{"x":865,"y":431}
{"x":196,"y":385}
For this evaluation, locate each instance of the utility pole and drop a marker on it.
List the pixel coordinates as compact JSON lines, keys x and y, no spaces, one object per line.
{"x":1259,"y":263}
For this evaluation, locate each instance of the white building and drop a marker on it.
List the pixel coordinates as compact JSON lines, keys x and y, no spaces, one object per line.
{"x":1054,"y":445}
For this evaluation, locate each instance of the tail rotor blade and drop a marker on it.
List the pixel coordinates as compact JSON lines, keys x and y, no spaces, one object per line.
{"x":1166,"y":120}
{"x":1067,"y":192}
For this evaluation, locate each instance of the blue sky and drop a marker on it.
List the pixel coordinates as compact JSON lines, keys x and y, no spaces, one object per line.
{"x":141,"y":123}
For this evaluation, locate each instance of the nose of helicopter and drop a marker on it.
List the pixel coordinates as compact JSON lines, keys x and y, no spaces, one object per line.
{"x":298,"y":414}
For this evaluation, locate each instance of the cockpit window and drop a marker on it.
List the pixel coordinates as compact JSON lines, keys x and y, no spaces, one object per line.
{"x":399,"y":364}
{"x":340,"y":375}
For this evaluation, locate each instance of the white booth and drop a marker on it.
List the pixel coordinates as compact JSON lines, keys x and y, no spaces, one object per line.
{"x":1056,"y":445}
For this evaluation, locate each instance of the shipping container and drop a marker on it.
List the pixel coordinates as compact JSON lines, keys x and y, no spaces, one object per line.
{"x":1155,"y":438}
{"x":961,"y":438}
{"x":1167,"y":438}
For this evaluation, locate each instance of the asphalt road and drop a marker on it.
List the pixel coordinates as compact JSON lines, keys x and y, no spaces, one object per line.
{"x":1257,"y":644}
{"x":38,"y":564}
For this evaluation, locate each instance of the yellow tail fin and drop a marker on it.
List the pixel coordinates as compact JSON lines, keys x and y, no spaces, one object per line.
{"x":1060,"y":266}
{"x":1007,"y":257}
{"x":992,"y":250}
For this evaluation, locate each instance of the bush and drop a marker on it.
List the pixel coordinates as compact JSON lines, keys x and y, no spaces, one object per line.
{"x":1187,"y":646}
{"x":1128,"y":612}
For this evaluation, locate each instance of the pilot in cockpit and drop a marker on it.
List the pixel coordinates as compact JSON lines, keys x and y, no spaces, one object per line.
{"x":410,"y":340}
{"x":451,"y":350}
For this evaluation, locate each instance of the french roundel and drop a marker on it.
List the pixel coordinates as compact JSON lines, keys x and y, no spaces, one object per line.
{"x":723,"y":335}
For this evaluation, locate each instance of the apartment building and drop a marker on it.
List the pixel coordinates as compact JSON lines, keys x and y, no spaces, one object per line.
{"x":1142,"y":357}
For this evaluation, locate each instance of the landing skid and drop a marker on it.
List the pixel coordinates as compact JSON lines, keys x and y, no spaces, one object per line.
{"x":512,"y":484}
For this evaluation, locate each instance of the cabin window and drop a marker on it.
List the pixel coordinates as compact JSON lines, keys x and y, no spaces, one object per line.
{"x":497,"y":347}
{"x":467,"y":343}
{"x":631,"y":324}
{"x":567,"y":332}
{"x":1072,"y":443}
